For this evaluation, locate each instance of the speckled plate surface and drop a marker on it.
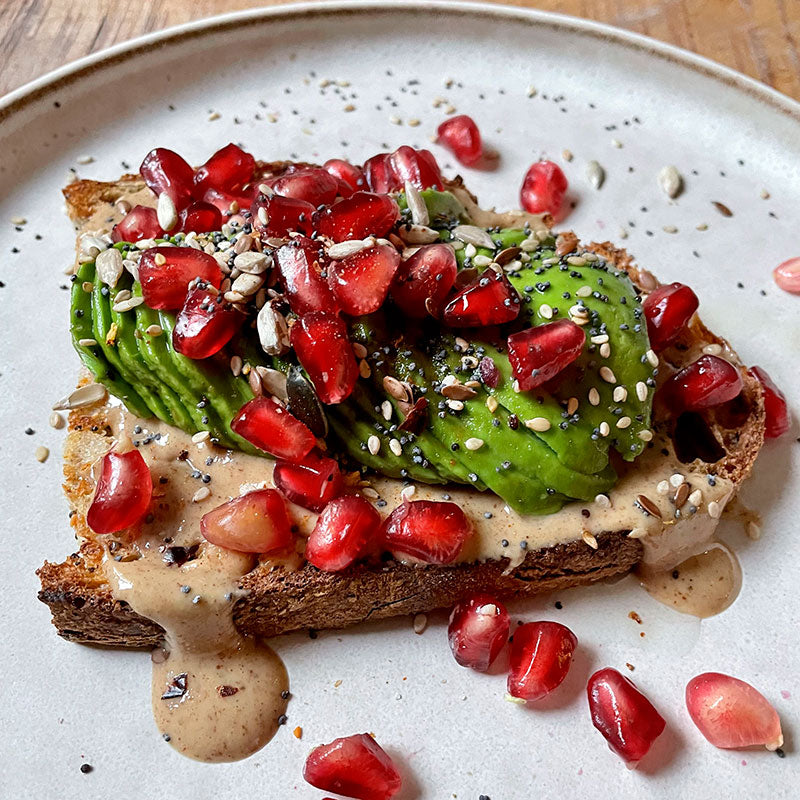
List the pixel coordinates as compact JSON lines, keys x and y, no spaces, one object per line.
{"x":631,"y":104}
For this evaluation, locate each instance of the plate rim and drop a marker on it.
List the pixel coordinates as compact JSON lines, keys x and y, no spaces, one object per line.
{"x":74,"y":71}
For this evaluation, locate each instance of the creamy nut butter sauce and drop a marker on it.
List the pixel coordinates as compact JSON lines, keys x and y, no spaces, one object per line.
{"x":219,"y":696}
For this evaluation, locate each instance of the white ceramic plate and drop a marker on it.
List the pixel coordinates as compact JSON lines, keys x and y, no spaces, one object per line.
{"x":450,"y":729}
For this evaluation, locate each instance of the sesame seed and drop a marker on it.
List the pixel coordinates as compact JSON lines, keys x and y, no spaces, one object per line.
{"x":712,"y":349}
{"x":395,"y":447}
{"x":84,"y":159}
{"x":607,"y":374}
{"x":546,"y":311}
{"x":572,"y":405}
{"x":56,"y":420}
{"x":420,"y":623}
{"x":455,"y":405}
{"x":386,"y":410}
{"x":604,"y":429}
{"x":605,"y":350}
{"x":714,"y":510}
{"x":583,"y":291}
{"x":41,"y":454}
{"x":374,"y":445}
{"x":603,"y":500}
{"x":645,"y":435}
{"x":589,"y":539}
{"x":669,"y":229}
{"x":623,"y":422}
{"x":601,"y":339}
{"x":652,"y":358}
{"x":473,"y":443}
{"x":594,"y":396}
{"x":538,"y":424}
{"x":696,"y":498}
{"x":200,"y":436}
{"x":364,"y":369}
{"x":662,"y":487}
{"x":641,"y":391}
{"x":753,"y":531}
{"x":201,"y":494}
{"x":578,"y":261}
{"x":18,"y":220}
{"x":408,"y":492}
{"x":620,"y":394}
{"x":159,"y":259}
{"x":676,"y":480}
{"x":567,"y":155}
{"x":87,"y":342}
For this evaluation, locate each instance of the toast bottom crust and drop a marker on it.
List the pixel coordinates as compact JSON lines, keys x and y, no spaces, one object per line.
{"x":279,"y":600}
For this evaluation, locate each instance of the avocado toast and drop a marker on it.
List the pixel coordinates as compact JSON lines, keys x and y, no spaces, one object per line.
{"x":578,"y":478}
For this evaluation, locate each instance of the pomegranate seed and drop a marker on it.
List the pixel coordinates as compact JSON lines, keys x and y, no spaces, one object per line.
{"x":787,"y":275}
{"x":164,"y":285}
{"x":731,"y":713}
{"x":205,"y":324}
{"x":200,"y":217}
{"x":283,"y":214}
{"x":311,"y":482}
{"x":423,"y":281}
{"x":626,"y":718}
{"x":300,"y":263}
{"x":123,"y":492}
{"x":380,"y":175}
{"x":541,"y":655}
{"x":360,"y":215}
{"x":226,"y":171}
{"x":165,"y":171}
{"x":224,"y":200}
{"x":141,"y":222}
{"x":477,"y":631}
{"x":417,"y":166}
{"x":489,"y":372}
{"x":539,"y":354}
{"x":461,"y":135}
{"x":346,"y":530}
{"x":354,"y":766}
{"x":667,"y":309}
{"x":430,"y":531}
{"x":346,"y":172}
{"x":270,"y":427}
{"x":323,"y":348}
{"x":706,"y":383}
{"x":256,"y":522}
{"x":777,"y":412}
{"x":361,"y":282}
{"x":316,"y":186}
{"x":489,"y":300}
{"x":543,"y":189}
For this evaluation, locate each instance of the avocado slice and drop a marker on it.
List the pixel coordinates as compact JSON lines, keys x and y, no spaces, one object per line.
{"x":444,"y":208}
{"x":92,"y":356}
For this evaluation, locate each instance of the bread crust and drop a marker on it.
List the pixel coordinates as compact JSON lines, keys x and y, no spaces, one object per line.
{"x":279,"y":600}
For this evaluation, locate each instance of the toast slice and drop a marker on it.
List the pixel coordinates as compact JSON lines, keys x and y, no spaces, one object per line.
{"x":278,"y":598}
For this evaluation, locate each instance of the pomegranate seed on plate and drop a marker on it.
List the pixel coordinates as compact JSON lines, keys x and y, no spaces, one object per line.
{"x":165,"y":171}
{"x":141,"y":222}
{"x":543,"y":189}
{"x":626,"y":718}
{"x":164,"y":285}
{"x":314,"y":185}
{"x":205,"y":324}
{"x":787,"y":275}
{"x":731,"y":713}
{"x":323,"y":348}
{"x":538,"y":354}
{"x":353,"y":766}
{"x":361,"y":281}
{"x":416,"y":166}
{"x":541,"y":655}
{"x":226,"y":171}
{"x":200,"y":217}
{"x":461,"y":135}
{"x":123,"y":492}
{"x":423,"y":281}
{"x":345,"y":171}
{"x":358,"y":216}
{"x":489,"y":372}
{"x":256,"y":522}
{"x":477,"y":631}
{"x":347,"y":529}
{"x":430,"y":531}
{"x":266,"y":424}
{"x":300,"y":263}
{"x":311,"y":482}
{"x":277,"y":215}
{"x":668,"y":309}
{"x":777,"y":412}
{"x":489,"y":300}
{"x":706,"y":383}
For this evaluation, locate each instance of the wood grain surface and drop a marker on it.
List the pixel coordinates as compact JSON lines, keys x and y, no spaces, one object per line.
{"x":760,"y":38}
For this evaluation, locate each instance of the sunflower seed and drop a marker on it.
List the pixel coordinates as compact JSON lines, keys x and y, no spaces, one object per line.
{"x":481,"y":261}
{"x":252,"y":262}
{"x":273,"y":332}
{"x":457,"y":391}
{"x":418,"y":234}
{"x":247,"y":284}
{"x":166,"y":212}
{"x":109,"y":266}
{"x":416,"y":205}
{"x":348,"y":248}
{"x":670,"y":181}
{"x":472,"y":234}
{"x":92,"y":245}
{"x":84,"y":396}
{"x":595,"y":174}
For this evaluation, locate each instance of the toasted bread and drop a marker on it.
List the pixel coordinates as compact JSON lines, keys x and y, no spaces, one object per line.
{"x":277,"y":599}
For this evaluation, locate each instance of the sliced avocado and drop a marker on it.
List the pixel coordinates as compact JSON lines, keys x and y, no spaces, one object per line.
{"x":92,"y":356}
{"x":146,"y":372}
{"x":444,"y":208}
{"x":106,"y":338}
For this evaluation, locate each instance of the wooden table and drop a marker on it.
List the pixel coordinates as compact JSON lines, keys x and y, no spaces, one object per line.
{"x":758,"y":37}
